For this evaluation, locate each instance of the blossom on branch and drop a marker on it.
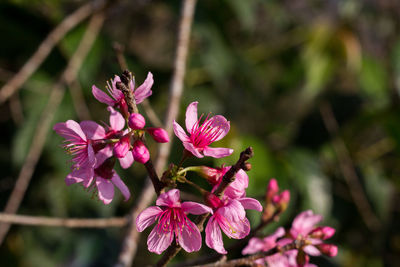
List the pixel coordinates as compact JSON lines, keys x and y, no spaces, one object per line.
{"x":173,"y":223}
{"x":201,"y":135}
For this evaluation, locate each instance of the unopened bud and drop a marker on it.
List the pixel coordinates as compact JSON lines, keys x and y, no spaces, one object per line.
{"x":328,"y":249}
{"x":212,"y":200}
{"x":246,"y":166}
{"x":122,"y":147}
{"x":136,"y":121}
{"x":212,"y":175}
{"x":159,"y":134}
{"x":140,"y":152}
{"x":272,"y":189}
{"x":322,"y":232}
{"x":284,"y":199}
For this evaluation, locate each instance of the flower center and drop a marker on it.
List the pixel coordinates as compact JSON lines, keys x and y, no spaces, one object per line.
{"x":206,"y":133}
{"x":172,"y":220}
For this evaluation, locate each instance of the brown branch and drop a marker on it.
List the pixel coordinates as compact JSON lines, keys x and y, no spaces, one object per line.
{"x":348,"y":170}
{"x":227,"y":179}
{"x":63,"y":222}
{"x":47,"y":115}
{"x":47,"y":45}
{"x":157,"y":184}
{"x":130,"y":242}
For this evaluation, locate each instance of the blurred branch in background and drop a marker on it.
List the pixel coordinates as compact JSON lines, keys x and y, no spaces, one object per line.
{"x":47,"y":45}
{"x":348,"y":169}
{"x":130,"y":243}
{"x":57,"y":94}
{"x":63,"y":222}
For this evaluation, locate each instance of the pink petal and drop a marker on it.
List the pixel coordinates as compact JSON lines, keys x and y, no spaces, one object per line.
{"x":195,"y":208}
{"x":233,"y":211}
{"x":191,"y":116}
{"x":92,"y":130}
{"x":190,"y":238}
{"x":121,"y":186}
{"x":214,"y":236}
{"x":222,"y":124}
{"x":311,"y":250}
{"x":144,"y":91}
{"x":304,"y":223}
{"x":103,"y":154}
{"x":147,"y":218}
{"x":235,"y":229}
{"x":105,"y":189}
{"x":255,"y":245}
{"x":117,"y":121}
{"x":217,"y":152}
{"x":101,"y":96}
{"x":180,"y":133}
{"x":189,"y":147}
{"x":158,"y":242}
{"x":250,"y":203}
{"x":169,"y":199}
{"x":76,"y":128}
{"x":82,"y":175}
{"x":237,"y":188}
{"x":126,"y":161}
{"x":121,"y":148}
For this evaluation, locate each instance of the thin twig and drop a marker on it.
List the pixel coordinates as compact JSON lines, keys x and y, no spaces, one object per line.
{"x":348,"y":170}
{"x":227,"y":179}
{"x":47,"y":115}
{"x":47,"y":45}
{"x":63,"y":222}
{"x":130,"y":242}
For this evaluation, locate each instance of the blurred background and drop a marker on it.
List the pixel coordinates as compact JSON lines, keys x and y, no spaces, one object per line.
{"x":312,"y":86}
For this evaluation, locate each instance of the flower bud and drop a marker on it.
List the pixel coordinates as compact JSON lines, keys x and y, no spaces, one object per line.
{"x":284,"y":198}
{"x":140,"y":152}
{"x":159,"y":134}
{"x":272,"y":188}
{"x":322,"y":232}
{"x":136,"y":121}
{"x":212,"y":200}
{"x":122,"y":147}
{"x":212,"y":175}
{"x":328,"y":249}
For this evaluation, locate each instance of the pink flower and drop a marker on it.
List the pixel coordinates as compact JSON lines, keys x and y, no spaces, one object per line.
{"x":201,"y":135}
{"x":172,"y":219}
{"x":230,"y":216}
{"x":117,"y":98}
{"x":237,"y":188}
{"x":104,"y":176}
{"x":79,"y":138}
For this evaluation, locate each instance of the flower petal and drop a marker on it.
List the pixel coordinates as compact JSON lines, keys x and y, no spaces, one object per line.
{"x":250,"y":203}
{"x":214,"y":236}
{"x":255,"y":245}
{"x":180,"y":133}
{"x":158,"y":242}
{"x":82,"y":175}
{"x":195,"y":208}
{"x":233,"y":211}
{"x":117,"y":121}
{"x":103,"y":154}
{"x":191,"y":116}
{"x":170,"y":199}
{"x":189,"y":147}
{"x":101,"y":96}
{"x":144,"y":90}
{"x":235,"y":229}
{"x":190,"y":237}
{"x":311,"y":250}
{"x":221,"y":124}
{"x":147,"y":218}
{"x":217,"y":152}
{"x":75,"y":128}
{"x":304,"y":223}
{"x":121,"y":186}
{"x":92,"y":130}
{"x":105,"y":189}
{"x":126,"y":161}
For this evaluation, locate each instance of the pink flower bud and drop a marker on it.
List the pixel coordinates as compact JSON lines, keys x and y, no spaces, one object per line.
{"x":122,"y":147}
{"x":328,"y":249}
{"x":322,"y":232}
{"x":159,"y":134}
{"x":272,"y":188}
{"x":140,"y":152}
{"x":136,"y":121}
{"x":212,"y":200}
{"x":212,"y":175}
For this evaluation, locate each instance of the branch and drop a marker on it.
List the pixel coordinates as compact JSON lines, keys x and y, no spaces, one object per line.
{"x":47,"y":45}
{"x":227,"y":179}
{"x":43,"y":126}
{"x":130,"y":242}
{"x":63,"y":222}
{"x":347,"y":168}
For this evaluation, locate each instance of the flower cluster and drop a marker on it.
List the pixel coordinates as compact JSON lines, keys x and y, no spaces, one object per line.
{"x":95,"y":148}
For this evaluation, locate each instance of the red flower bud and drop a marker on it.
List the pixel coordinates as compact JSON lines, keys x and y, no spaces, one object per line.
{"x":140,"y":152}
{"x":328,"y":249}
{"x":322,"y":232}
{"x":136,"y":121}
{"x":159,"y":134}
{"x":122,"y":147}
{"x":272,"y":188}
